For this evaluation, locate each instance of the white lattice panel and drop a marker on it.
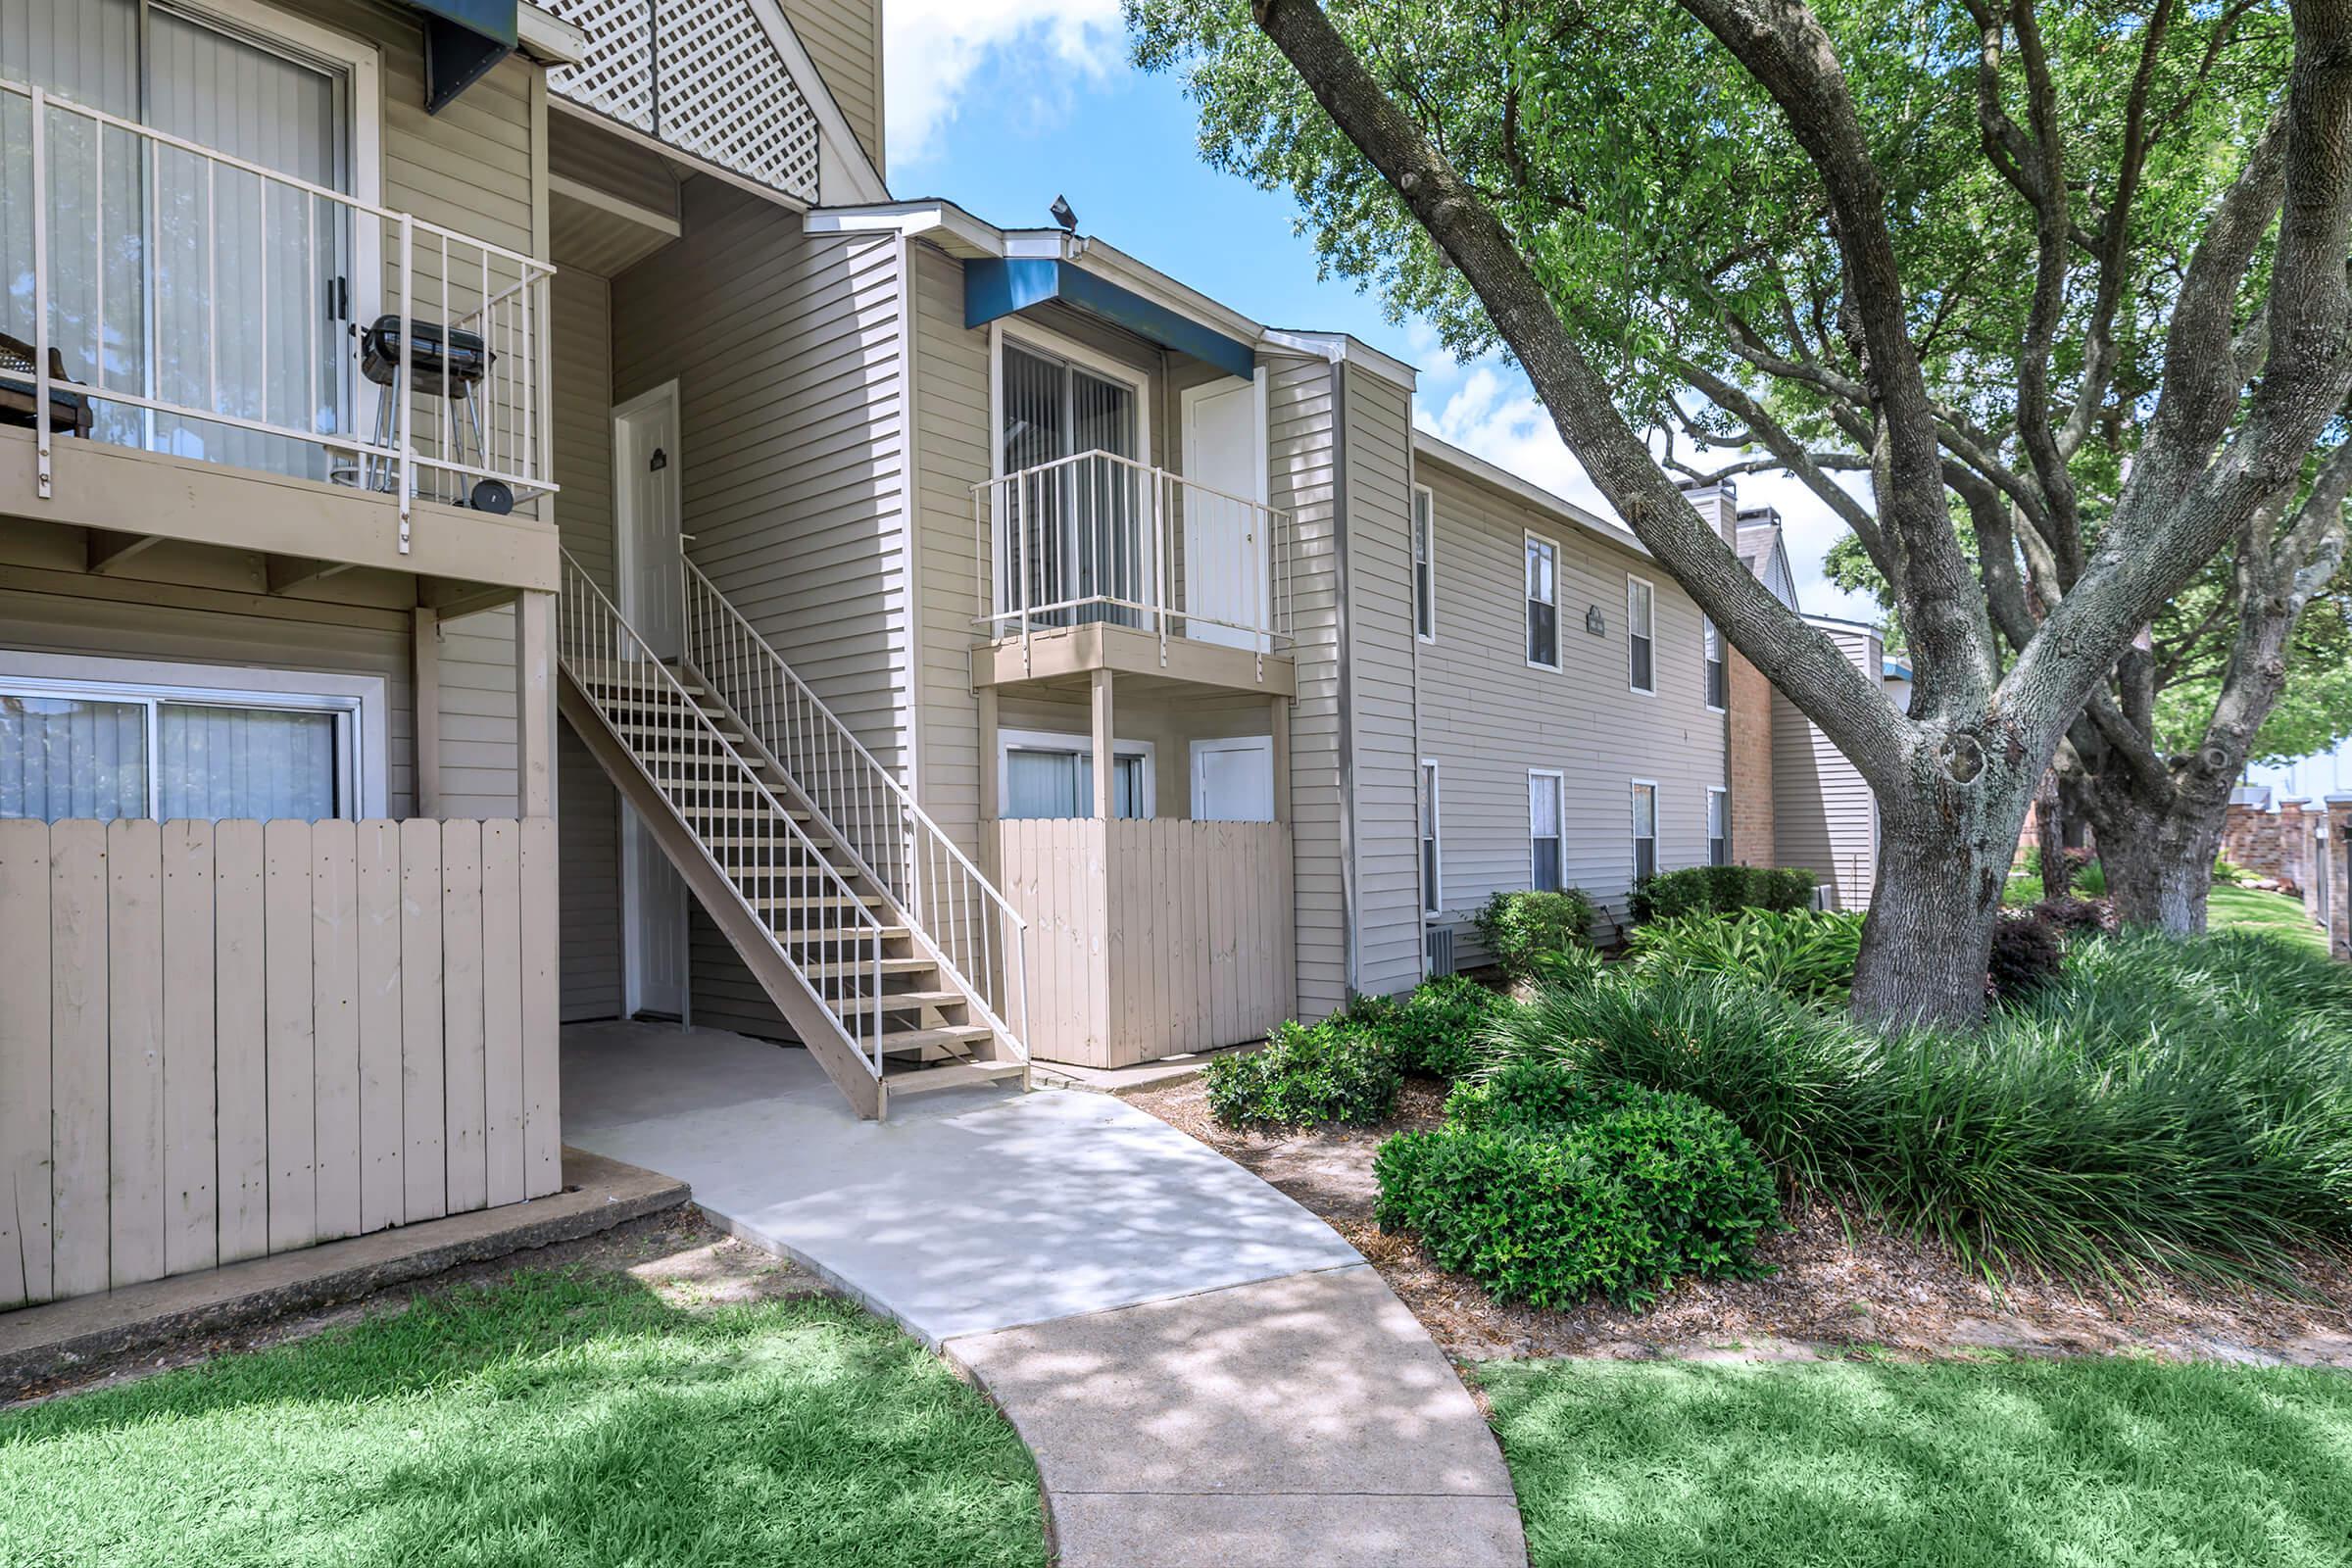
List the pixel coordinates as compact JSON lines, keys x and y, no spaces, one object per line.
{"x":734,"y":102}
{"x":616,"y":77}
{"x":700,"y":74}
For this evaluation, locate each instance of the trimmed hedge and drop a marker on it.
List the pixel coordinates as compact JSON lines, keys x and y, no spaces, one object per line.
{"x":1520,"y":930}
{"x":1720,"y":890}
{"x":1439,"y":1029}
{"x":1556,"y":1188}
{"x":1307,"y":1076}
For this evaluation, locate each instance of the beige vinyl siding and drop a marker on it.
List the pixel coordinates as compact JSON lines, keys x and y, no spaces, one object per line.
{"x":843,"y":37}
{"x":639,"y":176}
{"x":588,"y":808}
{"x":1824,"y":815}
{"x":478,"y":715}
{"x":786,"y":353}
{"x":953,"y":445}
{"x":1300,"y":428}
{"x":1486,"y":717}
{"x":1382,"y":696}
{"x":205,"y":607}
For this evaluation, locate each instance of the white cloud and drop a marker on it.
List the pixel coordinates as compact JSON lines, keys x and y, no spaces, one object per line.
{"x":1488,"y":409}
{"x":933,"y":48}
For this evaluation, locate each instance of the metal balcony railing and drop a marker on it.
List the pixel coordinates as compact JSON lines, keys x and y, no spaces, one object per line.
{"x":207,"y":306}
{"x":1099,"y":538}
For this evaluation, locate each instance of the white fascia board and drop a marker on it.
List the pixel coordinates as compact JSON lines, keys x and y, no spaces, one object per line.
{"x":1446,"y":454}
{"x":942,"y":223}
{"x":546,"y":39}
{"x":1341,"y":348}
{"x":861,"y":181}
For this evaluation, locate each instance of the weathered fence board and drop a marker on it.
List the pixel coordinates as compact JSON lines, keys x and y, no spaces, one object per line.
{"x":224,"y":1040}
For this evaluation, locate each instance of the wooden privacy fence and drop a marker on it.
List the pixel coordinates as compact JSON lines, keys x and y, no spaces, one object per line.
{"x":1149,"y":939}
{"x":219,"y":1039}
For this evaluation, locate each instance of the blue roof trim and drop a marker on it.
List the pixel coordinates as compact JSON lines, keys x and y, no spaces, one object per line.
{"x":999,"y":286}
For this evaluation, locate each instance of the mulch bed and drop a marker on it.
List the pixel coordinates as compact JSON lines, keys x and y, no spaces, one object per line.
{"x":1842,"y":1286}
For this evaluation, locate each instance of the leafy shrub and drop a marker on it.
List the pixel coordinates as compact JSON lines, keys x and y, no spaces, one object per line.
{"x":2229,"y":873}
{"x":1520,"y":928}
{"x":1439,"y":1029}
{"x":1720,"y":890}
{"x":1531,"y":1092}
{"x":1638,"y":1188}
{"x":1808,"y":953}
{"x":2162,"y":1104}
{"x":1307,"y":1076}
{"x":2028,"y":951}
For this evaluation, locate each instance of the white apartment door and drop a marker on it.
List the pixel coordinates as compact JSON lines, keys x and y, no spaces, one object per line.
{"x":1233,"y":780}
{"x":645,"y":454}
{"x":1226,"y":584}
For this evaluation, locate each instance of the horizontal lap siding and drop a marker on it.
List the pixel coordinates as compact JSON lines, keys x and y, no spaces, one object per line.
{"x":786,"y":354}
{"x":1388,"y":882}
{"x":1824,"y":816}
{"x":1300,"y":429}
{"x":588,"y":811}
{"x":844,"y":39}
{"x":1487,"y":718}
{"x":227,"y":1025}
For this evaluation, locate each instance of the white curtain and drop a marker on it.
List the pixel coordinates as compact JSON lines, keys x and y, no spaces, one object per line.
{"x":159,"y":271}
{"x":1544,"y":832}
{"x":259,"y":763}
{"x":61,"y":756}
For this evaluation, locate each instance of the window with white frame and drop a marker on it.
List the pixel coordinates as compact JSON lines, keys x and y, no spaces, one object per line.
{"x":1545,"y":848}
{"x":1425,"y":570}
{"x":1542,"y":602}
{"x":1433,"y":896}
{"x":1645,"y":829}
{"x":1719,"y":826}
{"x":184,"y":741}
{"x":1640,"y":610}
{"x":1042,"y":774}
{"x":1717,"y":686}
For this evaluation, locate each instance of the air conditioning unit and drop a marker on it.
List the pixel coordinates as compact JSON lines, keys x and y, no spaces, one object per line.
{"x":1438,"y":943}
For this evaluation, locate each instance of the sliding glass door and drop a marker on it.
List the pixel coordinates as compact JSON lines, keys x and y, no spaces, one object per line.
{"x":1074,"y":537}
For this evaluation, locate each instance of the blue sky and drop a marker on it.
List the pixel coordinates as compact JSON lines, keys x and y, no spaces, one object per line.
{"x":1001,"y":104}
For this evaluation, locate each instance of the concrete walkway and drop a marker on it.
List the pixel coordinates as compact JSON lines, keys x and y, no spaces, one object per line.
{"x":1207,"y":1373}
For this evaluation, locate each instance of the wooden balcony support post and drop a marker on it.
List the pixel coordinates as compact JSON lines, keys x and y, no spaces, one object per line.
{"x":1104,"y":761}
{"x":534,"y":705}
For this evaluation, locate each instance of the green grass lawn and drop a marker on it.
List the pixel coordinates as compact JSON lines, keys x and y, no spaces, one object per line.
{"x":555,"y":1420}
{"x":2069,"y":1464}
{"x":2254,"y":910}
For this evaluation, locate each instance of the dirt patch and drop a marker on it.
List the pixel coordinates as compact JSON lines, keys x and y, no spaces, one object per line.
{"x":1841,"y":1287}
{"x":677,"y":1253}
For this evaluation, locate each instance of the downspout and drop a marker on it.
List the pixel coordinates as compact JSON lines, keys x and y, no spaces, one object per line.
{"x":1343,"y":654}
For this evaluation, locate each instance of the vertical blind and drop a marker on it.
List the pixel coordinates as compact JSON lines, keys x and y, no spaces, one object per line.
{"x":1079,"y":531}
{"x":107,"y":758}
{"x":1060,"y":784}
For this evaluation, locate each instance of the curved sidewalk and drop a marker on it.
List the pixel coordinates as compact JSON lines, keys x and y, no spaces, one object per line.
{"x":1207,"y":1373}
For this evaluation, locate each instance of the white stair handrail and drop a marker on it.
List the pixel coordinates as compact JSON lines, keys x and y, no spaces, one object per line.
{"x":701,"y":774}
{"x":967,"y":924}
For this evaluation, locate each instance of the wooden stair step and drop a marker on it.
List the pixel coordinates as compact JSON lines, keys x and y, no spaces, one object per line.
{"x":945,"y":1036}
{"x":850,"y":971}
{"x":950,"y":1075}
{"x":902,"y":1001}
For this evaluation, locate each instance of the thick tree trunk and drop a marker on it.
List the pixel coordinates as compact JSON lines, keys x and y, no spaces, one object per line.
{"x":1942,"y":861}
{"x":2160,"y":866}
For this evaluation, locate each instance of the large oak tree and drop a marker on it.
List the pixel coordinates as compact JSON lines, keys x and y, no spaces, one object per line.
{"x":1939,"y":249}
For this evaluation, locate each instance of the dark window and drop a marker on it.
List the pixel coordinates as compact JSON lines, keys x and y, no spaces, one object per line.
{"x":1718,"y":689}
{"x":1543,"y":603}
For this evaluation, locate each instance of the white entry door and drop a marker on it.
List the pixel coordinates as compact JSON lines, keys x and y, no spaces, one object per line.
{"x":1233,"y":780}
{"x":644,"y":455}
{"x":1225,"y":544}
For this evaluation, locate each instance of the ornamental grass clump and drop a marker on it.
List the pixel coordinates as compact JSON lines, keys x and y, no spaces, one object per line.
{"x":1808,"y":953}
{"x":2160,"y":1105}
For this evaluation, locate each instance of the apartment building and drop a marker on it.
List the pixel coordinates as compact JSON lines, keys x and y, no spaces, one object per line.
{"x":505,"y":521}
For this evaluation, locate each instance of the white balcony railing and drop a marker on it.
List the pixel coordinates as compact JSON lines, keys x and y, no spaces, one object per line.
{"x":1099,"y":538}
{"x":206,"y":306}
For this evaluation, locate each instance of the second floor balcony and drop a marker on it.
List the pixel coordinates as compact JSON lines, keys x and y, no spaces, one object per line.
{"x":188,"y":315}
{"x":1192,"y":577}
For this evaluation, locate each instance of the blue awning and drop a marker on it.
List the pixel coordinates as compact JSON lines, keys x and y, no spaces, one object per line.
{"x":462,"y":40}
{"x":998,"y":286}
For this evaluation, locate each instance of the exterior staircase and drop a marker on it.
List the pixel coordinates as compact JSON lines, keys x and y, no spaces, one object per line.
{"x":892,"y":959}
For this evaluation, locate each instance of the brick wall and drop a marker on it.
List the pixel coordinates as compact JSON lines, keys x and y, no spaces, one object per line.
{"x":2338,"y":898}
{"x":1750,"y":722}
{"x":2255,"y":839}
